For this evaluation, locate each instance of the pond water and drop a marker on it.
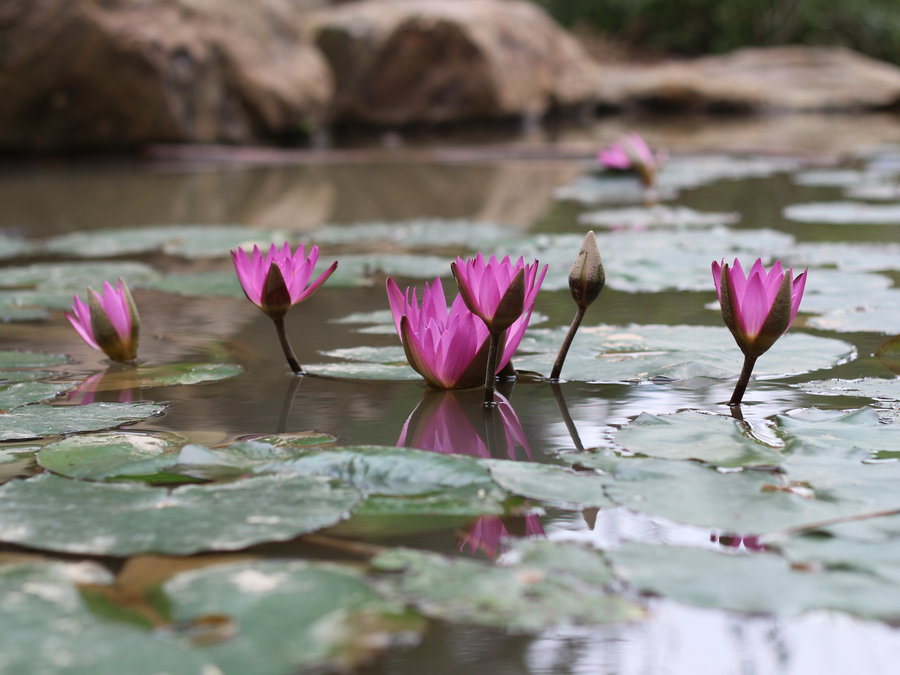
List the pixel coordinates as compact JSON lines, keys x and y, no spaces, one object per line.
{"x":653,"y":352}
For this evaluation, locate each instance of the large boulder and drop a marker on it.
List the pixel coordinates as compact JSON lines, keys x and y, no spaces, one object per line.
{"x":115,"y":73}
{"x":760,"y":79}
{"x":401,"y":62}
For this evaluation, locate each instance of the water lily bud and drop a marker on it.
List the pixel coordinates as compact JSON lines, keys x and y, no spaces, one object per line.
{"x":587,"y":277}
{"x":275,"y":299}
{"x":108,"y":322}
{"x":511,"y":304}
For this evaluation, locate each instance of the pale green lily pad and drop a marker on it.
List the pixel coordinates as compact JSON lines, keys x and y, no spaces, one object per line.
{"x":847,"y":257}
{"x":555,"y":587}
{"x":554,"y":484}
{"x":839,"y":431}
{"x":23,"y":393}
{"x":24,"y":375}
{"x":34,"y":421}
{"x":129,"y":518}
{"x":695,"y":171}
{"x":836,"y":177}
{"x":656,"y":216}
{"x":722,"y":441}
{"x":357,"y":269}
{"x":20,"y":359}
{"x":881,"y":558}
{"x":873,"y":313}
{"x":880,"y":389}
{"x":48,"y":627}
{"x":607,"y":188}
{"x":761,"y":582}
{"x":363,"y":371}
{"x":32,"y":305}
{"x":14,"y":247}
{"x":887,"y":192}
{"x":239,"y":458}
{"x":189,"y":241}
{"x":76,"y":276}
{"x":290,"y":616}
{"x":377,"y":316}
{"x":165,"y":376}
{"x":114,"y":454}
{"x":844,"y":213}
{"x":636,"y":352}
{"x":212,"y":283}
{"x":831,"y":290}
{"x":418,"y":233}
{"x":392,"y":355}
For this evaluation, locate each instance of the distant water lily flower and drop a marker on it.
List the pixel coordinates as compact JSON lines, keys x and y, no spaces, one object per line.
{"x":632,"y":152}
{"x":447,"y":346}
{"x":757,"y":308}
{"x":498,"y":292}
{"x":278,"y":280}
{"x":108,"y":322}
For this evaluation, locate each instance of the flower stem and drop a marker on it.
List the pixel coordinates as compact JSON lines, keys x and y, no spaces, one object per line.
{"x":490,"y":373}
{"x":741,"y":387}
{"x":564,"y":347}
{"x":286,"y":348}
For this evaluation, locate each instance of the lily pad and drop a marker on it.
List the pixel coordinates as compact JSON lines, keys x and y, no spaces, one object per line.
{"x":188,"y":241}
{"x":714,"y":439}
{"x":364,"y":371}
{"x":23,"y":393}
{"x":656,"y":216}
{"x":128,"y":518}
{"x":418,"y":233}
{"x":844,"y":213}
{"x":559,"y":586}
{"x":762,"y":582}
{"x":607,"y":188}
{"x":694,"y":171}
{"x":50,"y":628}
{"x":357,"y":269}
{"x":875,"y":313}
{"x":639,"y":352}
{"x":847,"y":257}
{"x":836,"y":177}
{"x":76,"y":276}
{"x":881,"y":389}
{"x":19,"y":359}
{"x":14,"y":247}
{"x":881,"y":558}
{"x":554,"y":484}
{"x":32,"y":305}
{"x":290,"y":616}
{"x":34,"y":421}
{"x":212,"y":283}
{"x":164,"y":376}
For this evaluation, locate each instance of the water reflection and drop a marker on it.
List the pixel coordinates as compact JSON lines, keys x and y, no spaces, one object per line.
{"x":456,"y":422}
{"x":488,"y":533}
{"x":122,"y":380}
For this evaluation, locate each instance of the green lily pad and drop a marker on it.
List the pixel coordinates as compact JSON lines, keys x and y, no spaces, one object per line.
{"x":878,"y":191}
{"x":128,"y":518}
{"x":547,"y":483}
{"x":418,"y":233}
{"x":554,"y":587}
{"x":76,"y":276}
{"x":50,"y":628}
{"x":212,"y":283}
{"x":32,"y":305}
{"x":636,"y":352}
{"x":188,"y":241}
{"x":290,"y":616}
{"x":847,"y":257}
{"x":34,"y":421}
{"x":363,"y":371}
{"x":357,"y":269}
{"x":608,"y":188}
{"x":114,"y":454}
{"x":834,"y":177}
{"x":655,"y":216}
{"x":23,"y":393}
{"x":19,"y":359}
{"x":875,"y":313}
{"x":880,"y":389}
{"x":14,"y":247}
{"x":833,"y":290}
{"x":7,"y":376}
{"x":239,"y":458}
{"x":844,"y":213}
{"x":714,"y":439}
{"x":761,"y":582}
{"x":164,"y":376}
{"x":695,"y":171}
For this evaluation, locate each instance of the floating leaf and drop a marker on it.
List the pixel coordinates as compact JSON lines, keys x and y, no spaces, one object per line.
{"x":290,"y":616}
{"x":714,"y":439}
{"x":418,"y":233}
{"x":14,"y":247}
{"x":547,"y":483}
{"x":128,"y":518}
{"x":554,"y":587}
{"x":164,"y":376}
{"x":656,"y":216}
{"x":111,"y":455}
{"x":363,"y":371}
{"x":868,"y":387}
{"x":19,"y":359}
{"x":359,"y":268}
{"x":202,"y":284}
{"x":881,"y":558}
{"x":844,"y":213}
{"x":847,"y":257}
{"x":32,"y":305}
{"x":34,"y":421}
{"x":607,"y":188}
{"x":694,"y":171}
{"x":761,"y":582}
{"x":48,"y":627}
{"x":23,"y":393}
{"x":76,"y":276}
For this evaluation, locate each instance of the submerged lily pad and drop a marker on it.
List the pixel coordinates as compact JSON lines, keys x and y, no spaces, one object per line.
{"x":48,"y":627}
{"x":548,"y":483}
{"x":639,"y":352}
{"x":34,"y":421}
{"x":656,"y":216}
{"x":761,"y":582}
{"x":23,"y":393}
{"x":714,"y":439}
{"x":290,"y":616}
{"x":553,"y":587}
{"x":844,"y":213}
{"x":189,"y":241}
{"x":128,"y":518}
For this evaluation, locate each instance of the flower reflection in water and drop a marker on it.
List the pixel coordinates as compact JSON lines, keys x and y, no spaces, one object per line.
{"x":112,"y":379}
{"x":735,"y":541}
{"x":455,"y":422}
{"x":489,"y":532}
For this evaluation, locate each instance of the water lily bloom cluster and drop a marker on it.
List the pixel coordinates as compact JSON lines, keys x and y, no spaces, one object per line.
{"x":108,"y":321}
{"x":632,"y":152}
{"x":448,"y":346}
{"x":757,"y":308}
{"x":278,"y":280}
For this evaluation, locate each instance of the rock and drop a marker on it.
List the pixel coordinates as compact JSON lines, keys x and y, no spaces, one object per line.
{"x":118,"y":73}
{"x":760,"y":79}
{"x":401,"y":62}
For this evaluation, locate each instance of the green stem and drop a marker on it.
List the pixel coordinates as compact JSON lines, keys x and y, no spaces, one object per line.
{"x":490,"y":376}
{"x":286,"y":348}
{"x":741,"y":387}
{"x":564,"y":348}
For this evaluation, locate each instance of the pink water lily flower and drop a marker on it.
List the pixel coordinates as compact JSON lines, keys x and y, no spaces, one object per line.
{"x":108,"y":322}
{"x":757,"y":308}
{"x":278,"y":279}
{"x":447,"y":346}
{"x":632,"y":152}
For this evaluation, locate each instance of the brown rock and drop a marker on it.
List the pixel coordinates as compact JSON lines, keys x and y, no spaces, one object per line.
{"x":773,"y":78}
{"x":400,"y":62}
{"x":114,"y":73}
